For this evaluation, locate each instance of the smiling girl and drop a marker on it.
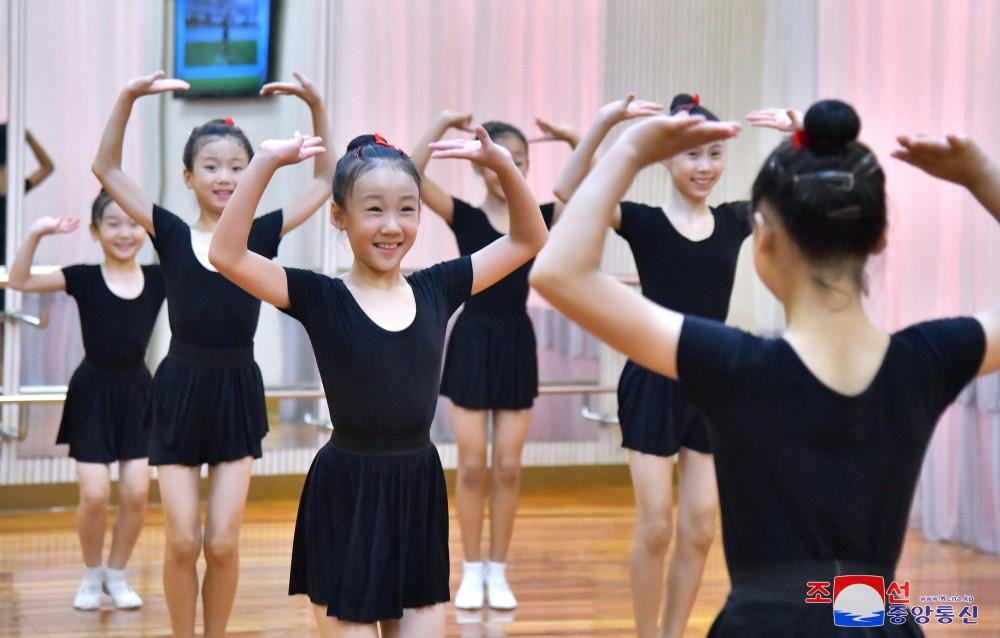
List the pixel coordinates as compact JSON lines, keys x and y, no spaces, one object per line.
{"x":103,"y":417}
{"x":207,"y":402}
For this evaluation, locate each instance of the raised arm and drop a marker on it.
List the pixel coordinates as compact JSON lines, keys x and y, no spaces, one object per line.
{"x":228,"y":252}
{"x":45,"y":165}
{"x":583,"y":155}
{"x":20,"y":277}
{"x":107,"y":165}
{"x":958,"y":159}
{"x":567,"y":271}
{"x":527,"y":232}
{"x":784,"y":120}
{"x":317,"y":191}
{"x":556,"y":133}
{"x":433,"y":195}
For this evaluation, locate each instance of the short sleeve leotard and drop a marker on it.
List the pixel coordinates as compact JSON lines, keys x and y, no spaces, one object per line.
{"x":208,"y":394}
{"x":492,"y":359}
{"x":103,"y":418}
{"x":814,"y":483}
{"x":692,"y":277}
{"x":371,"y":536}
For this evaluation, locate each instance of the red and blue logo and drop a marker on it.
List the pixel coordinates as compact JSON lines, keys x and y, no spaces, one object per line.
{"x":858,"y":601}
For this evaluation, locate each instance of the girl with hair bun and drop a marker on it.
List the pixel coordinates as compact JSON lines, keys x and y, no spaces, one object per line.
{"x":685,"y":253}
{"x":818,"y":434}
{"x":490,"y":366}
{"x":207,"y":404}
{"x":371,"y":537}
{"x":103,"y":418}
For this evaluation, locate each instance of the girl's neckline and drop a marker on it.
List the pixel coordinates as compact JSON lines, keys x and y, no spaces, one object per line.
{"x":815,"y":380}
{"x":715,"y":225}
{"x":104,"y":280}
{"x":377,"y":325}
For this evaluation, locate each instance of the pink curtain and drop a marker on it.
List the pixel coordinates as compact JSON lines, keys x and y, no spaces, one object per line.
{"x":929,"y":66}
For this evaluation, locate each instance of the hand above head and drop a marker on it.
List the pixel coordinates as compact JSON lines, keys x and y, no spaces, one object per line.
{"x":54,"y":225}
{"x":154,"y":83}
{"x":784,"y":120}
{"x":456,"y":120}
{"x":482,"y":150}
{"x":291,"y":151}
{"x":954,"y":158}
{"x":302,"y":88}
{"x":557,"y":132}
{"x":628,"y":108}
{"x":661,"y":137}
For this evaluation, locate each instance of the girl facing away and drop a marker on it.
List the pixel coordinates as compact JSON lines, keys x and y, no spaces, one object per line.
{"x":103,"y":418}
{"x":490,"y":366}
{"x":207,"y":404}
{"x":371,"y":537}
{"x":803,"y":425}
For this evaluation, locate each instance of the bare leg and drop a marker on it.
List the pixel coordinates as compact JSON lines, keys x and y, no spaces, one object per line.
{"x":509,"y":432}
{"x":133,"y":497}
{"x":91,"y":512}
{"x":652,"y":484}
{"x":330,"y":627}
{"x":697,"y":509}
{"x":182,"y":528}
{"x":470,"y":435}
{"x":227,"y":497}
{"x":422,"y":622}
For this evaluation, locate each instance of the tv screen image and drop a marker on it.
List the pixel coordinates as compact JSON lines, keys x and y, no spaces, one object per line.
{"x":222,"y":47}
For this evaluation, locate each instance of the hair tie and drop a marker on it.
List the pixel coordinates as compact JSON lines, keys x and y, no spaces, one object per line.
{"x":229,"y":122}
{"x":800,"y":139}
{"x":381,"y":141}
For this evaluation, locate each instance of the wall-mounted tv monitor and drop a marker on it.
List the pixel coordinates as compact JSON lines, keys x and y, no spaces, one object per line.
{"x":223,"y":47}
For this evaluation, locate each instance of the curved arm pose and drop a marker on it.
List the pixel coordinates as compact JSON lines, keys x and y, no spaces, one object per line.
{"x":834,"y":391}
{"x":208,"y":395}
{"x":372,"y":331}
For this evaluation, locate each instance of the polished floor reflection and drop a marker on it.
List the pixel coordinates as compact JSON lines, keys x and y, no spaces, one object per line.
{"x":569,"y":569}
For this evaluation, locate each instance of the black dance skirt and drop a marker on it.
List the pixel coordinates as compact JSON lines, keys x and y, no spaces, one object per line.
{"x":769,"y":601}
{"x":371,"y":536}
{"x":103,"y":419}
{"x":655,"y":415}
{"x":491,"y":362}
{"x":207,"y":406}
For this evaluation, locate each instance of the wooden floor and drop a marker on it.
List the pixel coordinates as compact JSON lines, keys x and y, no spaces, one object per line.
{"x":569,"y":570}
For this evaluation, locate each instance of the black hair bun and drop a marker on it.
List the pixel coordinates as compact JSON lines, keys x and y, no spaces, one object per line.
{"x":361,"y":140}
{"x":831,"y":125}
{"x":681,"y":100}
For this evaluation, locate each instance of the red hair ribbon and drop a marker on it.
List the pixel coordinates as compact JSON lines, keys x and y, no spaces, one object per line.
{"x":800,"y":139}
{"x":696,"y":100}
{"x":381,"y":141}
{"x":229,"y":122}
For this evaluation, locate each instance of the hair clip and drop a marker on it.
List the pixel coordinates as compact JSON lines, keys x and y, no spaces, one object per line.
{"x":229,"y":122}
{"x":696,"y":100}
{"x":800,"y":139}
{"x":838,"y":180}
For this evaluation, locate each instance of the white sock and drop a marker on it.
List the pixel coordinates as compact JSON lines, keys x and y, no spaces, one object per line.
{"x":112,"y":575}
{"x":496,"y":571}
{"x":93,"y":574}
{"x":473,"y":569}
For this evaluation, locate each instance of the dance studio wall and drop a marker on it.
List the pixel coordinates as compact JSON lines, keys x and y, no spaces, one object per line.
{"x":390,"y":65}
{"x":930,"y":66}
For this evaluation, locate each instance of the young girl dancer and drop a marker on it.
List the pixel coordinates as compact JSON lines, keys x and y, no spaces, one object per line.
{"x":686,"y":253}
{"x":491,"y":364}
{"x":371,"y":538}
{"x":207,"y":404}
{"x":802,"y":426}
{"x":102,"y":419}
